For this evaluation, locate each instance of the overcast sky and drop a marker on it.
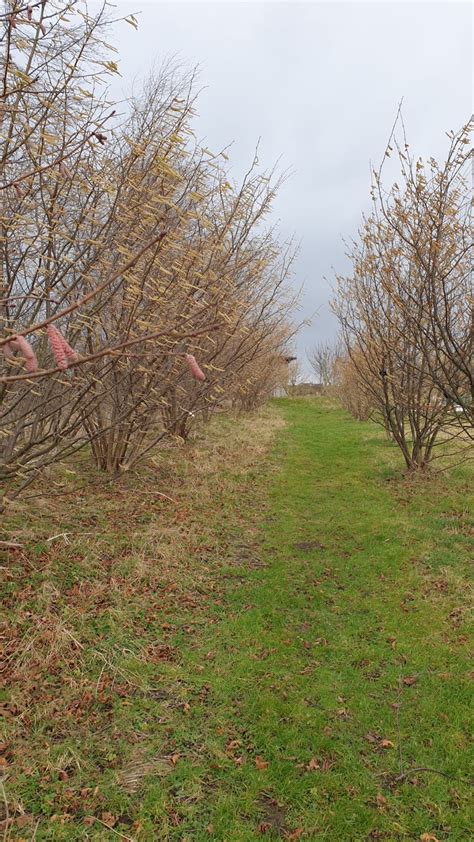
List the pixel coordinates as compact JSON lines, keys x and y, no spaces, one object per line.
{"x":319,"y":83}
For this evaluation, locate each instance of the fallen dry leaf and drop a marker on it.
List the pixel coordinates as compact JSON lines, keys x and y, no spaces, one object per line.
{"x":428,"y":837}
{"x":409,"y":680}
{"x":23,"y":821}
{"x":386,"y":744}
{"x":260,"y":763}
{"x":175,"y":818}
{"x":343,"y":713}
{"x":313,"y":765}
{"x":108,"y":819}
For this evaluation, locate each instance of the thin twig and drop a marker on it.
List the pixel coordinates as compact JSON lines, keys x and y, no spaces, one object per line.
{"x":399,"y":704}
{"x":160,"y":494}
{"x":117,"y":833}
{"x":99,"y":679}
{"x":65,"y":536}
{"x":434,"y":771}
{"x":7,"y":813}
{"x":60,"y":535}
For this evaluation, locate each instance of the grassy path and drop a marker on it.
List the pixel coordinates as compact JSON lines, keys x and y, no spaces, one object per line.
{"x":318,"y":681}
{"x":343,"y":663}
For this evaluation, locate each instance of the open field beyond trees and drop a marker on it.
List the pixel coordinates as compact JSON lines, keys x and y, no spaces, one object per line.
{"x":261,"y":634}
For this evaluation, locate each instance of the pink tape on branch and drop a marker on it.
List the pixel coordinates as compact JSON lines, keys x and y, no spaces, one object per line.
{"x":63,"y":353}
{"x":19,"y":343}
{"x":70,"y":352}
{"x":56,"y":342}
{"x":196,"y":372}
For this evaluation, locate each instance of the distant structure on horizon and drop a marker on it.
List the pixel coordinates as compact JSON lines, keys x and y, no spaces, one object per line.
{"x":297,"y":389}
{"x":282,"y":391}
{"x":301,"y":389}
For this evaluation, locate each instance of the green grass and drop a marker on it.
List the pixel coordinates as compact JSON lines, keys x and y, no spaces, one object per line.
{"x":280,"y":653}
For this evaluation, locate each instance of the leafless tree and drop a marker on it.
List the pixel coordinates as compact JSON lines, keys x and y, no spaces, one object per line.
{"x":405,"y":311}
{"x":322,"y":359}
{"x":428,"y":220}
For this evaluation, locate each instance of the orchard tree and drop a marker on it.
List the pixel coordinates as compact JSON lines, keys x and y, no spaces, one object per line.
{"x":405,"y":311}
